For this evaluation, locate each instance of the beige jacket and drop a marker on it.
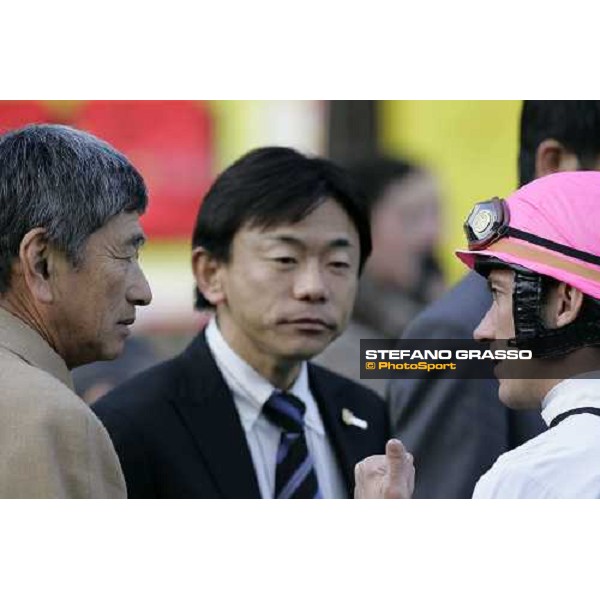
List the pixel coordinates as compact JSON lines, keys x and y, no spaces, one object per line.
{"x":51,"y":444}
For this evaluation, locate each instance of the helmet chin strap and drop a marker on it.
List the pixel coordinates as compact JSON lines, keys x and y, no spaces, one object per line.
{"x":532,"y":334}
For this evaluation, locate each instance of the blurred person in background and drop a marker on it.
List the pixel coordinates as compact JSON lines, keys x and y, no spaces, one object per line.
{"x":455,"y":428}
{"x":278,"y":246}
{"x":402,"y":275}
{"x":70,"y":283}
{"x":97,"y":379}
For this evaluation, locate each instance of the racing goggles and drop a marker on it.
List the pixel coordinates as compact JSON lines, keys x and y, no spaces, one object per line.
{"x":487,"y":223}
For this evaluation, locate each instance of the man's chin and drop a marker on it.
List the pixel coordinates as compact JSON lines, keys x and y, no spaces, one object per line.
{"x":306,"y":349}
{"x":111,"y":351}
{"x":513,"y":395}
{"x":84,"y":355}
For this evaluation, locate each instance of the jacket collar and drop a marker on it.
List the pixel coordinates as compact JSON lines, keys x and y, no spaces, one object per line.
{"x":577,"y":392}
{"x":20,"y":339}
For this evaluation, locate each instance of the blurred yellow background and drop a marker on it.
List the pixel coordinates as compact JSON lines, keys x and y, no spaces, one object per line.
{"x":471,"y":145}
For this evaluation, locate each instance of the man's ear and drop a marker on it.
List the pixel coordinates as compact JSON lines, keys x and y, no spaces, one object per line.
{"x":568,"y":304}
{"x":208,"y":272}
{"x":551,"y":157}
{"x":36,"y":264}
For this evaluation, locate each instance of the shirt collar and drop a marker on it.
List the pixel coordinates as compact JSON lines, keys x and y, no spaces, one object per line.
{"x":577,"y":392}
{"x":251,"y":387}
{"x":21,"y":339}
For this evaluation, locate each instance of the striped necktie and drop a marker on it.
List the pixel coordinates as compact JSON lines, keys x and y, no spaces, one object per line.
{"x":295,"y":475}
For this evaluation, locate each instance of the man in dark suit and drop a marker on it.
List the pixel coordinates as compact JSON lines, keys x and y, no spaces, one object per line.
{"x":455,"y":429}
{"x":278,"y":246}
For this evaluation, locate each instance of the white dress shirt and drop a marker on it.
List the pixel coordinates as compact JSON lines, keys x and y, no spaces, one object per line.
{"x":250,"y":391}
{"x":563,"y":462}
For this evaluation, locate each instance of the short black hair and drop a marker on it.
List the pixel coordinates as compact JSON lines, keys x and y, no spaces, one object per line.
{"x":64,"y":180}
{"x":573,"y":123}
{"x":273,"y":186}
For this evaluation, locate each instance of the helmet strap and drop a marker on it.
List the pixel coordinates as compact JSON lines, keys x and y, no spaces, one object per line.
{"x":532,"y":334}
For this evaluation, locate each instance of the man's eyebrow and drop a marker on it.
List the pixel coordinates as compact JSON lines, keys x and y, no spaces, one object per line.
{"x":340,"y":242}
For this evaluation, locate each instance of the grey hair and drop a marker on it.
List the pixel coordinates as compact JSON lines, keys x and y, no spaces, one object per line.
{"x":64,"y":180}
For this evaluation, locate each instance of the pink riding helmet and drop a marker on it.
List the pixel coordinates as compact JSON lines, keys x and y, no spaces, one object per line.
{"x":550,"y":226}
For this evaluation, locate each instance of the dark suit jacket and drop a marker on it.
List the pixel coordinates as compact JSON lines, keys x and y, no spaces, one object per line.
{"x":455,"y":428}
{"x":178,"y":434}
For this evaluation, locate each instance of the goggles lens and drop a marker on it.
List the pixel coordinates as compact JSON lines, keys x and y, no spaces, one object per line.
{"x":486,"y":223}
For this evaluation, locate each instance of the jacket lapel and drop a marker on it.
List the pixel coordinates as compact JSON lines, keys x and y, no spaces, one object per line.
{"x":208,"y":411}
{"x":330,"y":398}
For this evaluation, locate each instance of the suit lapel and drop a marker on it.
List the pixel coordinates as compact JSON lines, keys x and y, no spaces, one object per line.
{"x":208,"y":411}
{"x":330,"y":400}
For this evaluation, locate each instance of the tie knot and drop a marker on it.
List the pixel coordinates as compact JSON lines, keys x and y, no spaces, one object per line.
{"x":285,"y":411}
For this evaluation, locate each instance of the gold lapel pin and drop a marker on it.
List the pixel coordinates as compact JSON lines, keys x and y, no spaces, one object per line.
{"x":349,"y":418}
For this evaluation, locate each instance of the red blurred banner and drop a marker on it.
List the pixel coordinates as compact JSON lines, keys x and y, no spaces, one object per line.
{"x":170,"y":142}
{"x":17,"y":113}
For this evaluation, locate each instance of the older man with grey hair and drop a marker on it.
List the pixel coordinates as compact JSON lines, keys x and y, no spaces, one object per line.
{"x":69,"y":286}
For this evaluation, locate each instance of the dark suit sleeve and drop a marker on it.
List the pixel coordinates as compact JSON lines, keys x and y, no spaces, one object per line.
{"x":131,"y":450}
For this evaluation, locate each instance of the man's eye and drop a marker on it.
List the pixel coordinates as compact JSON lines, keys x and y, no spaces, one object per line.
{"x":285,"y":260}
{"x":339,"y":264}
